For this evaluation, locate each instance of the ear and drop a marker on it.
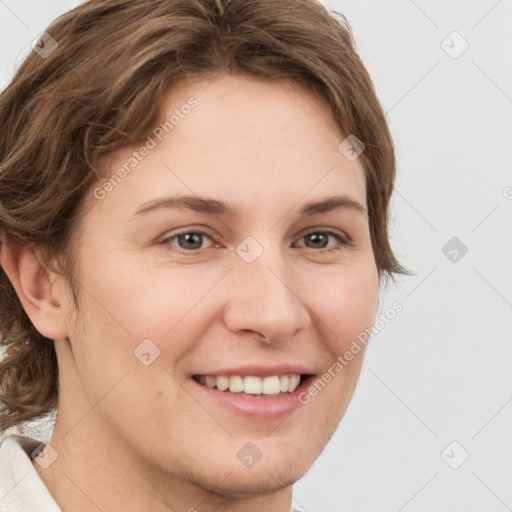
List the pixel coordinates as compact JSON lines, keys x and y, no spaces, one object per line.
{"x":36,"y":288}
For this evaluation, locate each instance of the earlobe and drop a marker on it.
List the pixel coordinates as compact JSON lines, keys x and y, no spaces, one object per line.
{"x":33,"y":284}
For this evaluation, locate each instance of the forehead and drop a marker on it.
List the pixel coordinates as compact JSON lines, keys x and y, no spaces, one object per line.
{"x":243,"y":139}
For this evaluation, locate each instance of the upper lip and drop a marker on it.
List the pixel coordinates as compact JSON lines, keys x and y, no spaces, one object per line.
{"x":260,"y":370}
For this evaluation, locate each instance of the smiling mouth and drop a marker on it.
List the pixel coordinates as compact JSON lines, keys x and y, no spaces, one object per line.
{"x":251,"y":385}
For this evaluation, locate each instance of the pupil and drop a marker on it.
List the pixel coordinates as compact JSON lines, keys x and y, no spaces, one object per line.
{"x":315,"y":237}
{"x":191,"y":238}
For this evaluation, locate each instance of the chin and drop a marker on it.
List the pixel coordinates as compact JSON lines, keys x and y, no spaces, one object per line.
{"x":225,"y":475}
{"x":240,"y":483}
{"x":280,"y":466}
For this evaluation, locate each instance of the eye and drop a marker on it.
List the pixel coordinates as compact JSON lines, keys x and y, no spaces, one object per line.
{"x":319,"y":240}
{"x":188,"y":240}
{"x":191,"y":241}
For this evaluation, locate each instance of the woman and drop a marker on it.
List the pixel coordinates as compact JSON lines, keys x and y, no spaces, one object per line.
{"x":194,"y":229}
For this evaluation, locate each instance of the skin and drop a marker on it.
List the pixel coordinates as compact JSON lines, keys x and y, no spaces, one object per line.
{"x":133,"y":437}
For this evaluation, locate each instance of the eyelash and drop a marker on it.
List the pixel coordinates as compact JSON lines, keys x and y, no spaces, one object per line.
{"x":342,"y":240}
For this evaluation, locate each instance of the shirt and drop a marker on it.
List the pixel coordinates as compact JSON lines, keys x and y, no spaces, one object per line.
{"x":21,"y":488}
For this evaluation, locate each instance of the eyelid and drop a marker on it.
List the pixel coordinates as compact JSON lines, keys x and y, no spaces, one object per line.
{"x":188,"y":229}
{"x":333,"y":231}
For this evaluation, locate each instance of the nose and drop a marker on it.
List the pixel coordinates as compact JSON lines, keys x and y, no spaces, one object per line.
{"x":265,"y":299}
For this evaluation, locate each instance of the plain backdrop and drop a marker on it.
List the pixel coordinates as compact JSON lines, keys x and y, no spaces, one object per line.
{"x":429,"y":427}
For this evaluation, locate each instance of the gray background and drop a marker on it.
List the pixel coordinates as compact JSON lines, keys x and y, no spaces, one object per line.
{"x":441,"y":370}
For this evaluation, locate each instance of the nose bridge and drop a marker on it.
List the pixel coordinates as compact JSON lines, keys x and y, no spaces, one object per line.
{"x":264,"y":299}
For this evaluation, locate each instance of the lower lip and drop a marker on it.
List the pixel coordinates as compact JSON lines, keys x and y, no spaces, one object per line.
{"x":257,"y":408}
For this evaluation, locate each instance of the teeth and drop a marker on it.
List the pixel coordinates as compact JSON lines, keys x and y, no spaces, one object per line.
{"x":222,"y":382}
{"x":236,"y":384}
{"x":271,"y":385}
{"x":293,"y":382}
{"x":251,"y":384}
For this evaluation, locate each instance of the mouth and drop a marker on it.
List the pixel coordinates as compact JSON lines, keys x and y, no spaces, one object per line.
{"x":255,"y":398}
{"x":253,"y":386}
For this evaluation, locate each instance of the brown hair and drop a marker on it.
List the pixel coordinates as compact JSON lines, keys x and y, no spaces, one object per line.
{"x":97,"y":82}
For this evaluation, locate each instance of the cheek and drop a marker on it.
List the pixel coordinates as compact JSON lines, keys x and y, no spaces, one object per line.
{"x":346,"y":304}
{"x":139,"y":300}
{"x":122,"y":305}
{"x":110,"y":362}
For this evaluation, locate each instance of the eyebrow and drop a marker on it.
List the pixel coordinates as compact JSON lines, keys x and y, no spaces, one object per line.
{"x":219,"y":208}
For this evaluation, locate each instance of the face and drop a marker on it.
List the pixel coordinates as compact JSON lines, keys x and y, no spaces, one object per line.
{"x":180,"y":294}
